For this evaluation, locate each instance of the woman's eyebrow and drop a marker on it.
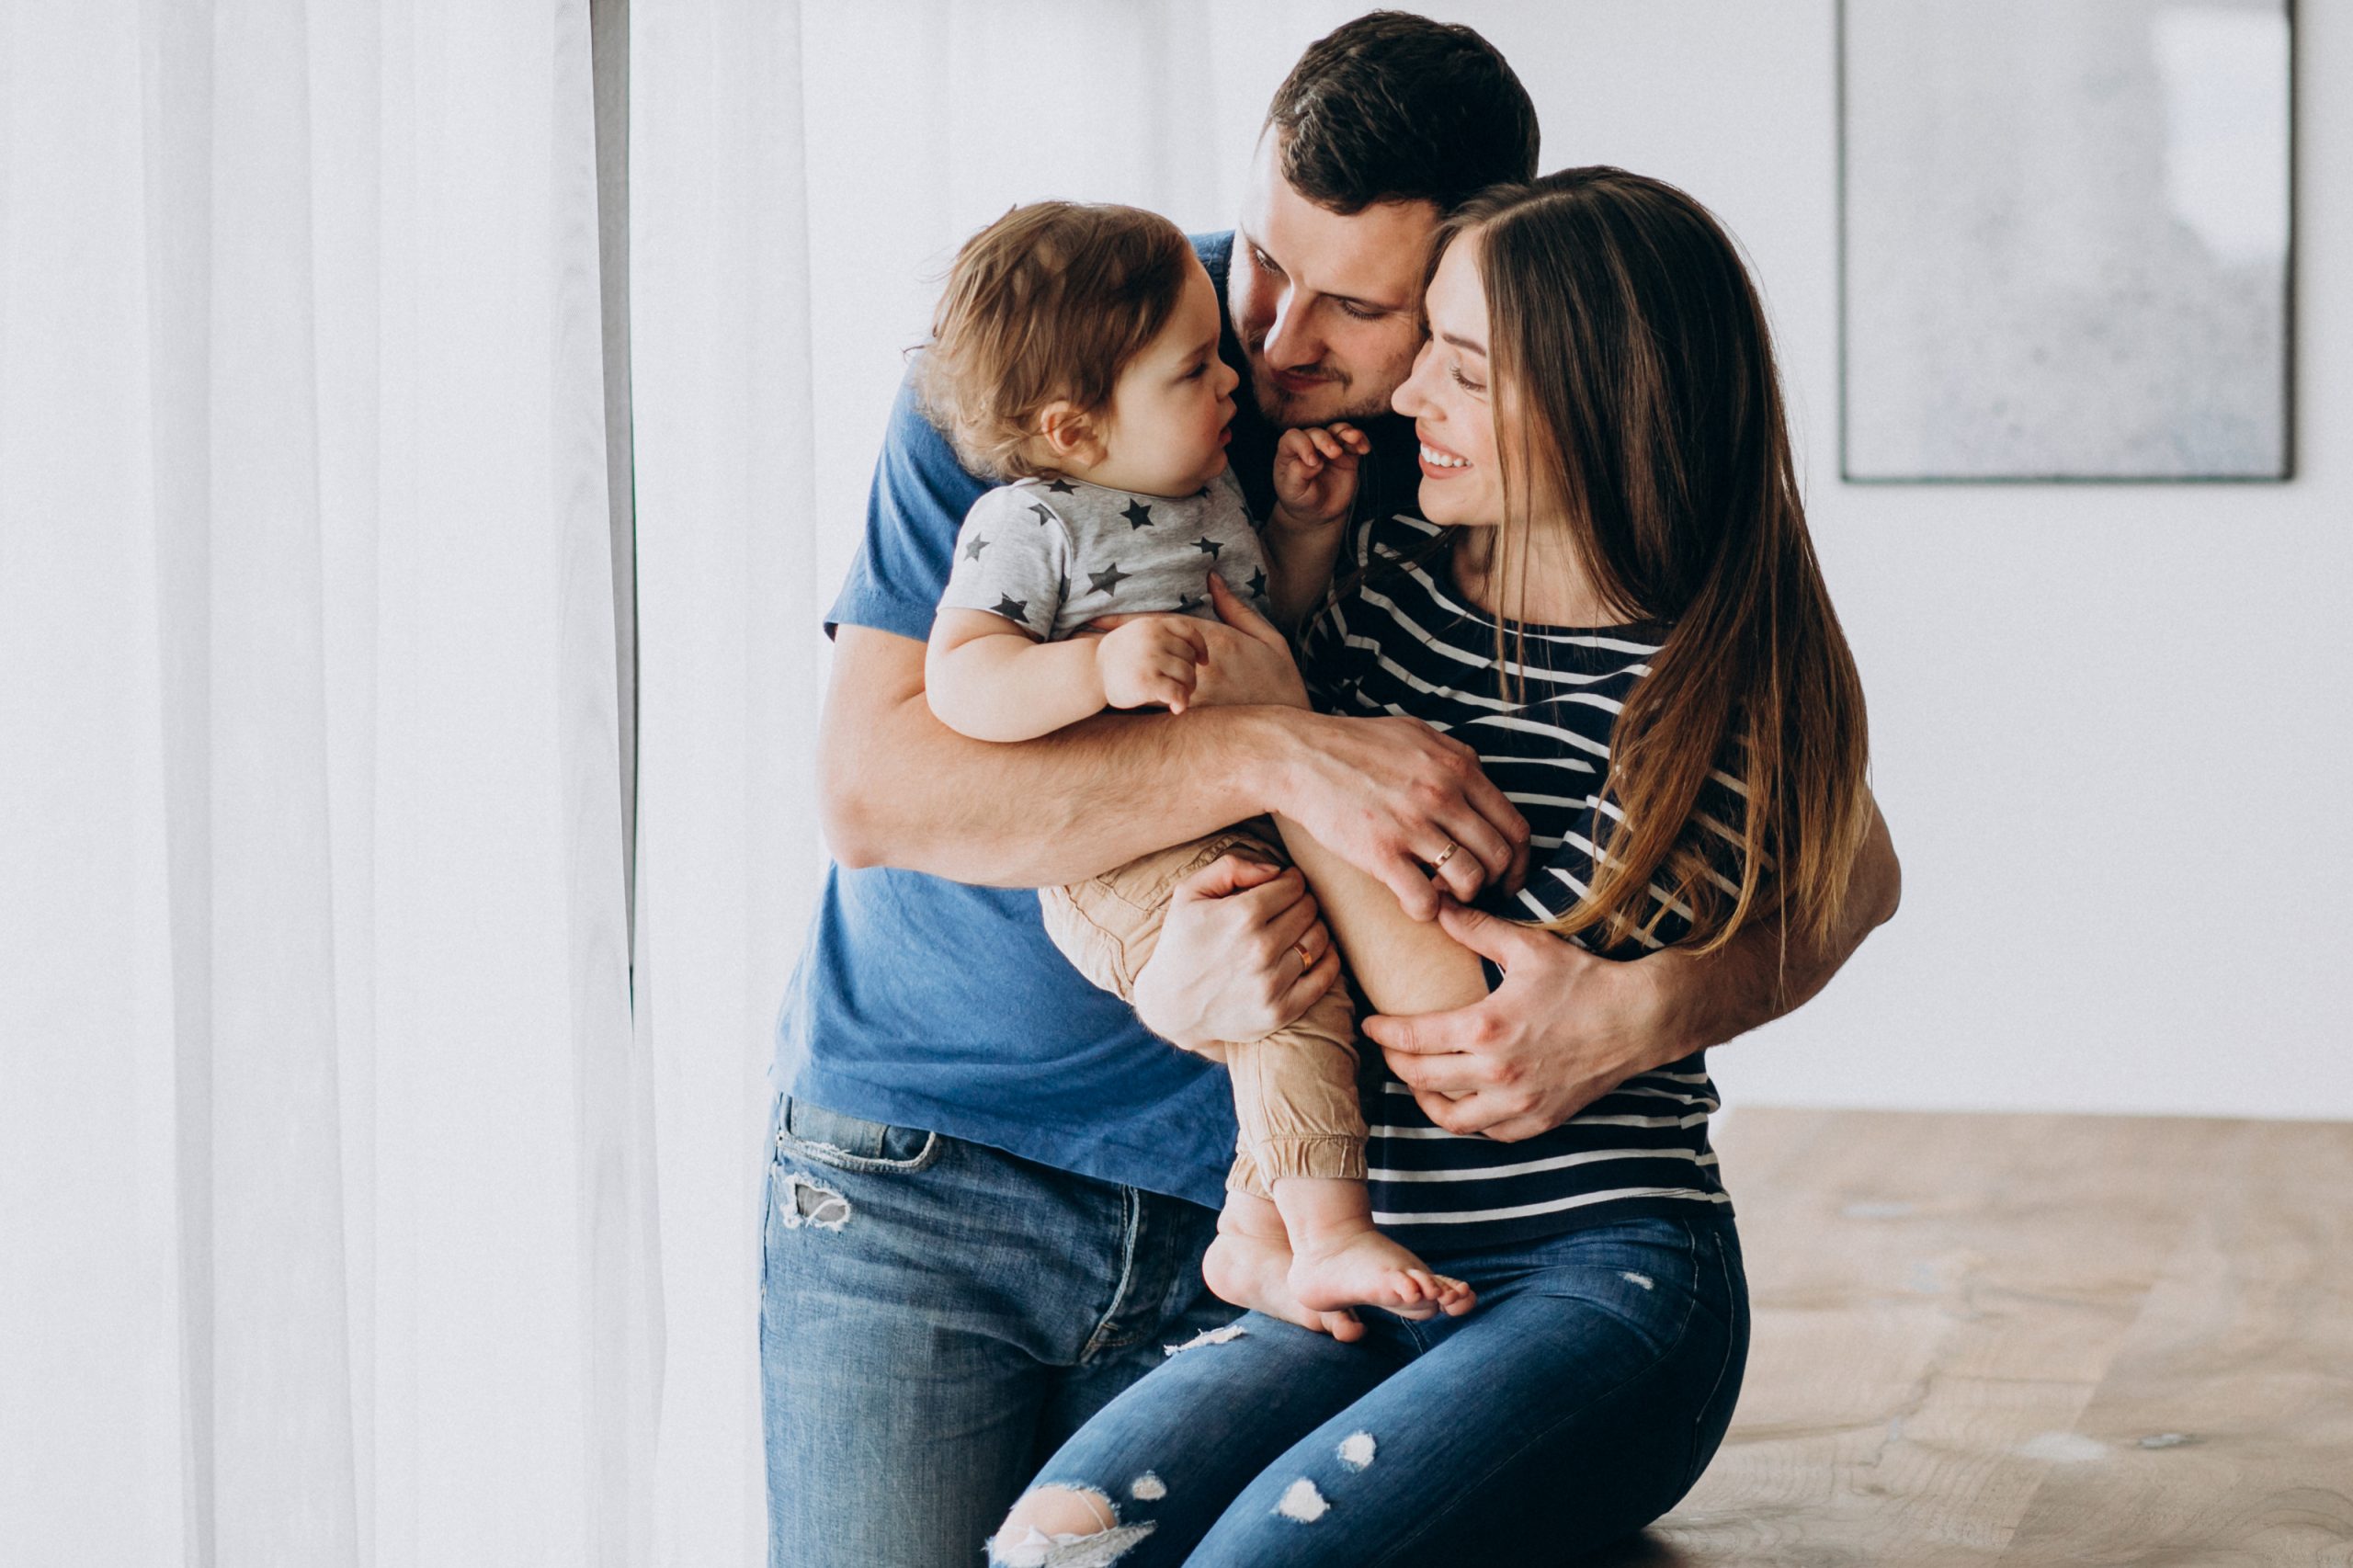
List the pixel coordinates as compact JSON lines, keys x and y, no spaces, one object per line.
{"x":1464,"y":343}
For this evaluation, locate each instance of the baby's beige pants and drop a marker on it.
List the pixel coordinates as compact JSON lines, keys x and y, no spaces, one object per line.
{"x":1294,"y":1091}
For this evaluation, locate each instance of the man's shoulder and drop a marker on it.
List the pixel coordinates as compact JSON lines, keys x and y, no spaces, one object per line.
{"x":919,"y":471}
{"x":1216,"y":251}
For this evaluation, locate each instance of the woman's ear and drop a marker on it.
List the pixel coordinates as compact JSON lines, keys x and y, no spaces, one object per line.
{"x":1073,"y":437}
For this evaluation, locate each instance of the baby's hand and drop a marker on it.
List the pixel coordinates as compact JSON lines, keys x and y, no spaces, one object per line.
{"x":1315,"y":474}
{"x":1151,"y":659}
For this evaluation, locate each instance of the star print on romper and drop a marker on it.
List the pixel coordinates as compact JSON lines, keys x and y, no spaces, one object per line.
{"x":1012,"y":608}
{"x":1061,"y":487}
{"x":1207,"y":546}
{"x":1188,"y":605}
{"x":1108,"y":581}
{"x":1045,"y":513}
{"x":1139,"y":516}
{"x":1258,"y":583}
{"x":973,"y":546}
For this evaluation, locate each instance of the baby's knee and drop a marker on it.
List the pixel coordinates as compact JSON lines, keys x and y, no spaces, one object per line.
{"x":1062,"y":1524}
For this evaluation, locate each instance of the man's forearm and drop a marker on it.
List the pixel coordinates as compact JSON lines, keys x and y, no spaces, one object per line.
{"x":1768,"y":971}
{"x":898,"y":787}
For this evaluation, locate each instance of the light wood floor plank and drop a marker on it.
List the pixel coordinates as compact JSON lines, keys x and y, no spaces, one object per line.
{"x":1967,"y":1325}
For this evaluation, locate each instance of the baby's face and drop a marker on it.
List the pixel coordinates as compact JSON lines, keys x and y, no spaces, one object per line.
{"x":1168,"y":425}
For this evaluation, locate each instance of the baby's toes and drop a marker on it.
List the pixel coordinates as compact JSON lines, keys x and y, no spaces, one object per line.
{"x":1342,"y":1327}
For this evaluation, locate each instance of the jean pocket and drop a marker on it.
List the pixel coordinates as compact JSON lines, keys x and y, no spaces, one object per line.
{"x":852,"y":1144}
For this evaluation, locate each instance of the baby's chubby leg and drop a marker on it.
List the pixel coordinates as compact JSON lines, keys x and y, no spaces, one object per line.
{"x":1295,"y":1095}
{"x":1303,"y":1148}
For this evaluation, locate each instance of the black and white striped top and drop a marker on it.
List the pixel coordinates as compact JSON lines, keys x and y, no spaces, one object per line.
{"x":1402,"y":641}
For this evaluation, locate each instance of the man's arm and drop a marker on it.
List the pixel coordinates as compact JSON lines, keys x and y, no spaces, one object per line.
{"x":896,"y":787}
{"x":1760,"y":975}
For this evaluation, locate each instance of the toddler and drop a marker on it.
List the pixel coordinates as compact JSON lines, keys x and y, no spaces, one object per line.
{"x":1074,"y":355}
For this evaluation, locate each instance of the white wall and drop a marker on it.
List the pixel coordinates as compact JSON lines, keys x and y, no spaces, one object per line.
{"x":2109,"y":721}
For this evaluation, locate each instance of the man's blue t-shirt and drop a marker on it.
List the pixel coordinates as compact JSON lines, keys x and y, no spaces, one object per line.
{"x":936,"y":1004}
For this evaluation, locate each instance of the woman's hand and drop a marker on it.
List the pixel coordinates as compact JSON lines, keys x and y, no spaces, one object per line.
{"x":1250,"y":659}
{"x":1230,"y":963}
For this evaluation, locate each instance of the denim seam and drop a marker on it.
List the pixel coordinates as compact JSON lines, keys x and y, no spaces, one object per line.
{"x":1732,"y":1342}
{"x":841,"y":1159}
{"x":1131,"y":1203}
{"x":1431,"y":1521}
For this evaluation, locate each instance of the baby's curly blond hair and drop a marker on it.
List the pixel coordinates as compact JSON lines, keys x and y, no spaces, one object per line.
{"x":1047,"y":305}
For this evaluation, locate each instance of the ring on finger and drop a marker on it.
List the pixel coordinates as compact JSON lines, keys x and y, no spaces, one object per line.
{"x":1305,"y":963}
{"x":1444,"y":856}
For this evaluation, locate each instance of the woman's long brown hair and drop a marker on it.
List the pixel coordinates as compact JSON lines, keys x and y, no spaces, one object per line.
{"x":1639,"y":412}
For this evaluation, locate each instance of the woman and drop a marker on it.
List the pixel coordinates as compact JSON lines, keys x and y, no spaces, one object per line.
{"x":1614,"y":601}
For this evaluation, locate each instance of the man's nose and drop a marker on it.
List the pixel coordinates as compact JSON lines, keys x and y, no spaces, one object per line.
{"x":1287,"y":342}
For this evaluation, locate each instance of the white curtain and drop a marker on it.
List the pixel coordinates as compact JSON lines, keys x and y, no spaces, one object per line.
{"x":358,"y":1209}
{"x":730,"y":671}
{"x":326,"y":1199}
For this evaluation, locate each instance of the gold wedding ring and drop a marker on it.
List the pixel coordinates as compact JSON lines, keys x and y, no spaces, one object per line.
{"x":1444,"y":856}
{"x":1306,"y":965}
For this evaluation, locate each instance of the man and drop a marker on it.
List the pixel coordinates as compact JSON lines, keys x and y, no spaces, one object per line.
{"x":993,"y":1187}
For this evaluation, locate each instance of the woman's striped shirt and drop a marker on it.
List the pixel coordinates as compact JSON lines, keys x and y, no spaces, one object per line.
{"x":1404,"y":641}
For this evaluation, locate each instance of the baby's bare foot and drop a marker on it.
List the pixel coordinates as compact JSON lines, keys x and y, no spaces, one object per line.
{"x":1365,"y":1269}
{"x":1253,"y":1272}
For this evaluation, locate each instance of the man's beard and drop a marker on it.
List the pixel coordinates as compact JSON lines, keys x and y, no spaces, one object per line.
{"x":1285,"y":410}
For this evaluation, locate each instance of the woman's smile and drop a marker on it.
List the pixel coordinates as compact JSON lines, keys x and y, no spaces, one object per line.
{"x":1438,"y":462}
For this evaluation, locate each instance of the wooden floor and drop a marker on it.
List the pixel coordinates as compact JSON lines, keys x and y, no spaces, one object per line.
{"x":2032,"y":1340}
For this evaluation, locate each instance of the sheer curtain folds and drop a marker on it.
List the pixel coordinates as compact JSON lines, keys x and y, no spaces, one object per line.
{"x":326,"y":1185}
{"x":730,"y":674}
{"x":358,"y":1207}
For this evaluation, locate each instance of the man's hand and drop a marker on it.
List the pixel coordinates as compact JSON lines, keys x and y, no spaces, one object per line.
{"x":1434,"y":795}
{"x":1390,"y":795}
{"x":1151,"y":660}
{"x":1241,"y":952}
{"x":1563,"y":1029}
{"x":1315,"y":474}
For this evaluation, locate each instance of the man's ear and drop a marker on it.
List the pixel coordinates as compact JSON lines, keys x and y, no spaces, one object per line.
{"x":1070,"y":434}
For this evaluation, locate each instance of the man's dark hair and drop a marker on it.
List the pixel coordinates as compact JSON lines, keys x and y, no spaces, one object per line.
{"x":1396,"y":107}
